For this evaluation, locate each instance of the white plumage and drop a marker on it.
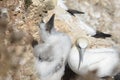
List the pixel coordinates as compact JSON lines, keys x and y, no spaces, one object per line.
{"x":104,"y":60}
{"x":51,"y":55}
{"x":43,"y":33}
{"x":62,"y":14}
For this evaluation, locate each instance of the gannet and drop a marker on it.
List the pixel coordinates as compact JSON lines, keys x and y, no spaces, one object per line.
{"x":61,"y":11}
{"x":65,"y":14}
{"x":104,"y":60}
{"x":52,"y":53}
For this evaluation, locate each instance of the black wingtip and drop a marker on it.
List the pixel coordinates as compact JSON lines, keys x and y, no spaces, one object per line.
{"x":50,"y":23}
{"x":34,"y":43}
{"x":72,"y":12}
{"x":101,"y":35}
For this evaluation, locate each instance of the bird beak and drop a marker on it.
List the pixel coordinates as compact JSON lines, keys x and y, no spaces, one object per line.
{"x":81,"y":45}
{"x":81,"y":53}
{"x":50,"y":23}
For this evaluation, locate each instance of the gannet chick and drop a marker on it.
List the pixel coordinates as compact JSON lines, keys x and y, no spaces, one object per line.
{"x":105,"y":60}
{"x":72,"y":12}
{"x":47,"y":66}
{"x":51,"y":55}
{"x":101,"y":35}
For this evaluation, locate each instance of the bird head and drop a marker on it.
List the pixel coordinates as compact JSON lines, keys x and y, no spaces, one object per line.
{"x":47,"y":26}
{"x":82,"y":42}
{"x":81,"y":45}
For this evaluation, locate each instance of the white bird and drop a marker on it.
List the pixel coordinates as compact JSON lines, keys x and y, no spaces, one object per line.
{"x":62,"y":13}
{"x":65,"y":14}
{"x":104,"y":60}
{"x":51,"y":55}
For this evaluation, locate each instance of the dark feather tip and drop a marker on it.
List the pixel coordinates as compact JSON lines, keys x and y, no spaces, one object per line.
{"x":72,"y":12}
{"x":34,"y":43}
{"x":101,"y":35}
{"x":50,"y":23}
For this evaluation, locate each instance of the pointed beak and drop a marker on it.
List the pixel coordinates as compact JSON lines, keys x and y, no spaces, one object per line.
{"x":81,"y":53}
{"x":50,"y":23}
{"x":81,"y":45}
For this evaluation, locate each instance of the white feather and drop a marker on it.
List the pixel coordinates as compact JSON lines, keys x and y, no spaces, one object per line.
{"x":51,"y":55}
{"x":105,"y":60}
{"x":42,"y":31}
{"x":63,"y":15}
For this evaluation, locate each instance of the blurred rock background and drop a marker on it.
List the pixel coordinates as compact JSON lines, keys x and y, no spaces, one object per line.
{"x":19,"y":26}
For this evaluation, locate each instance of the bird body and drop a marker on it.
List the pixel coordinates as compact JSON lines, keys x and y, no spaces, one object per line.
{"x":47,"y":70}
{"x":52,"y":53}
{"x":104,"y":60}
